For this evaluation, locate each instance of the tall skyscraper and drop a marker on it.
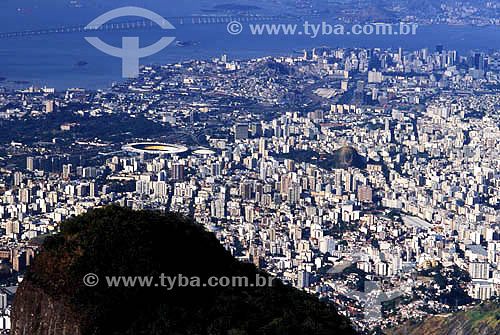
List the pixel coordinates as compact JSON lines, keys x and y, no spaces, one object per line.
{"x":25,"y":195}
{"x":162,"y":175}
{"x":263,"y":171}
{"x":215,"y":169}
{"x":478,"y":61}
{"x":303,"y":279}
{"x":285,"y":184}
{"x":141,"y":187}
{"x":18,"y":178}
{"x":262,"y":146}
{"x":365,"y":193}
{"x":49,"y":106}
{"x":92,"y":192}
{"x":240,"y":132}
{"x":66,"y":171}
{"x":294,"y":194}
{"x":3,"y":300}
{"x":479,"y":270}
{"x":246,"y":191}
{"x":218,"y":208}
{"x":177,"y":171}
{"x":30,"y":164}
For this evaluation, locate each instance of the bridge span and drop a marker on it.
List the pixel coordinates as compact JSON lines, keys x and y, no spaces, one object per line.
{"x":142,"y":24}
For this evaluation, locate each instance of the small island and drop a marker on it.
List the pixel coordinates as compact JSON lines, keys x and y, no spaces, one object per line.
{"x":235,"y":7}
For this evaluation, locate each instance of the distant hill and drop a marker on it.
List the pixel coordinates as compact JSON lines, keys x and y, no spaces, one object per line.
{"x":481,"y":320}
{"x":235,"y":7}
{"x":114,"y":241}
{"x":272,"y":68}
{"x":345,"y":157}
{"x":375,"y":14}
{"x":342,"y":158}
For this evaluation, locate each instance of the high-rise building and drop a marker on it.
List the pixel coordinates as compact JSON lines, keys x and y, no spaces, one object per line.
{"x":303,"y":279}
{"x":218,"y":208}
{"x":3,"y":300}
{"x":481,"y":290}
{"x":12,"y":227}
{"x":478,"y":61}
{"x":82,"y":190}
{"x":246,"y":190}
{"x":49,"y":106}
{"x":105,"y":189}
{"x":263,"y":171}
{"x":424,"y":53}
{"x":30,"y":164}
{"x":375,"y":77}
{"x":365,"y":193}
{"x":327,"y":245}
{"x":66,"y":171}
{"x":92,"y":190}
{"x":162,"y":175}
{"x":262,"y":146}
{"x":285,"y":184}
{"x":141,"y":187}
{"x":479,"y":270}
{"x":344,"y":85}
{"x":277,"y":128}
{"x":25,"y":195}
{"x":241,"y":132}
{"x":18,"y":178}
{"x":256,"y":129}
{"x":177,"y":171}
{"x":249,"y":214}
{"x":89,"y":172}
{"x":294,"y":194}
{"x":215,"y":169}
{"x":18,"y":260}
{"x":348,"y":182}
{"x":192,"y":117}
{"x":160,"y":189}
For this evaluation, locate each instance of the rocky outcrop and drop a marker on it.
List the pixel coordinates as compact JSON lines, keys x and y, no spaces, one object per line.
{"x":39,"y":313}
{"x":480,"y":320}
{"x":113,"y":241}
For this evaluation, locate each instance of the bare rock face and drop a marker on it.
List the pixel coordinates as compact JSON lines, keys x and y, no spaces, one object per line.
{"x":483,"y":319}
{"x":36,"y":312}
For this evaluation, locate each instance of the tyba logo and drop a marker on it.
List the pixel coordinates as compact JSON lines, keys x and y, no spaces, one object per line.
{"x":130,"y":53}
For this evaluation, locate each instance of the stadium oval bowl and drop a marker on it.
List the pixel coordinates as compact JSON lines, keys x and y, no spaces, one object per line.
{"x":155,"y":148}
{"x":203,"y":151}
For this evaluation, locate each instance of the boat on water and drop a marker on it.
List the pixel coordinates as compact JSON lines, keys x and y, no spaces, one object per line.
{"x":182,"y":44}
{"x":81,"y":63}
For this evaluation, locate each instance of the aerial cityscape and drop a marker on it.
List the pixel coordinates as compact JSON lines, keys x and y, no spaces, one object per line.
{"x":340,"y":171}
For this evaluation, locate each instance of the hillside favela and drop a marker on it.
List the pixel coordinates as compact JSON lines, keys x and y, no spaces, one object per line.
{"x":298,"y":186}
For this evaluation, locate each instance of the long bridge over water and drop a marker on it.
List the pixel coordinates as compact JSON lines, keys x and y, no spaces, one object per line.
{"x":143,"y":24}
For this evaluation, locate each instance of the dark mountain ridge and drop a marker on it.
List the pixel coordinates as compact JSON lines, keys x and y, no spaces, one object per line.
{"x":115,"y":241}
